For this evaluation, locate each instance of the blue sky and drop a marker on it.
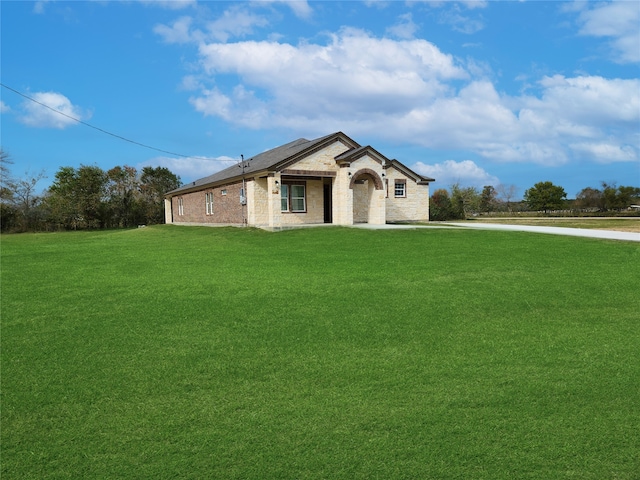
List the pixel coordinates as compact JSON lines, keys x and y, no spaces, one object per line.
{"x":474,"y":92}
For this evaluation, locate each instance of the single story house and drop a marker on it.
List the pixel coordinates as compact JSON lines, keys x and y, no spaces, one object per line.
{"x":331,"y":179}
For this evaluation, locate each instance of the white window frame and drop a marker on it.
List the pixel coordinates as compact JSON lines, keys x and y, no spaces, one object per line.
{"x":208,"y":200}
{"x":400,"y":189}
{"x":180,"y":206}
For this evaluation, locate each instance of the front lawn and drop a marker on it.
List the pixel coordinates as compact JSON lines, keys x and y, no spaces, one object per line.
{"x":186,"y":352}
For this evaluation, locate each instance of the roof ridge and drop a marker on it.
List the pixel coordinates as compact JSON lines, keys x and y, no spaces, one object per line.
{"x":262,"y":161}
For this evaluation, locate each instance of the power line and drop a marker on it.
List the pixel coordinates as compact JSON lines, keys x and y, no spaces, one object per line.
{"x":120,"y":137}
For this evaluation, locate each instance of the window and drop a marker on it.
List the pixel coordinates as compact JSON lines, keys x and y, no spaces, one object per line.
{"x":284,"y":198}
{"x":400,"y":188}
{"x":293,"y":197}
{"x":180,"y":206}
{"x":208,"y":200}
{"x":224,"y":192}
{"x":298,"y":203}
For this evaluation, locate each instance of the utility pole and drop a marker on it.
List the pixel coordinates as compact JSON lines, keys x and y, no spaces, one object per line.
{"x":243,"y":193}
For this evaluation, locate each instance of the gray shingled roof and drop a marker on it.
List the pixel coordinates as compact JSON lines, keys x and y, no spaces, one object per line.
{"x":257,"y":163}
{"x":278,"y":156}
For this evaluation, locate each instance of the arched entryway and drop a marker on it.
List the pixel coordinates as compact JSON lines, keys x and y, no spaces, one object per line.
{"x":368,"y":197}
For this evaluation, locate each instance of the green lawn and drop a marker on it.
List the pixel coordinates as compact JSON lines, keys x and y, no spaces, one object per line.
{"x":186,"y":352}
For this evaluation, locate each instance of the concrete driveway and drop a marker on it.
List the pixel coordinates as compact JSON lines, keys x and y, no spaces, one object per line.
{"x":574,"y":232}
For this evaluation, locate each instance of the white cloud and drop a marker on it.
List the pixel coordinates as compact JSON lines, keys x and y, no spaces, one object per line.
{"x":39,"y":6}
{"x":36,"y":115}
{"x":170,"y":4}
{"x":615,"y":20}
{"x":471,"y":4}
{"x":450,"y":172}
{"x":462,"y":23}
{"x":235,"y":22}
{"x":299,"y":7}
{"x":405,"y":28}
{"x":409,"y":91}
{"x":380,"y":4}
{"x":354,"y":75}
{"x":190,"y":168}
{"x":452,"y":14}
{"x":4,"y":108}
{"x":602,"y":152}
{"x":593,"y":99}
{"x":190,"y":83}
{"x":178,"y":32}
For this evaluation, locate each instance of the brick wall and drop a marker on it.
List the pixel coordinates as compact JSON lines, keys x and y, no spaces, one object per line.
{"x":226,"y":208}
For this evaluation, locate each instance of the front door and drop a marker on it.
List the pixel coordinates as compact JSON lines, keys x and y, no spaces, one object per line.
{"x":328,"y":217}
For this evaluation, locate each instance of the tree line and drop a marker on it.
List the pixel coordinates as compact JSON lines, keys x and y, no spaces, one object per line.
{"x":461,"y":202}
{"x":86,"y":197}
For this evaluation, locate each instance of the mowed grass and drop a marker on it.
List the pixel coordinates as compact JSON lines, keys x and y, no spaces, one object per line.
{"x":185,"y":352}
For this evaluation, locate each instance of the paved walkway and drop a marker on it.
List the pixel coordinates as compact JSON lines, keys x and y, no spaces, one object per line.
{"x":575,"y":232}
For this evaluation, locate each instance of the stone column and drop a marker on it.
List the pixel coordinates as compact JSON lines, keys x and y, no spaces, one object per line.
{"x":168,"y":216}
{"x":273,"y":196}
{"x":342,"y":198}
{"x":377,"y":205}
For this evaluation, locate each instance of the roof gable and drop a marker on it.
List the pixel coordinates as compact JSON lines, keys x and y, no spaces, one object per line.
{"x":356,"y":153}
{"x":420,"y":179}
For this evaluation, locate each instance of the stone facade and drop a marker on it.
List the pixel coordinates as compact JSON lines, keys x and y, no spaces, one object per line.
{"x":343,"y":185}
{"x":413,"y":207}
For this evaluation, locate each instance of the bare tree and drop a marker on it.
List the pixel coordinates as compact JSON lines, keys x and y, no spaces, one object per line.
{"x":507,"y":193}
{"x":18,"y":196}
{"x":5,"y":175}
{"x":25,"y":199}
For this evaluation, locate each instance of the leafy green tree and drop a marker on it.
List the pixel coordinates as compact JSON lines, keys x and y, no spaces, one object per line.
{"x":628,"y":195}
{"x":61,"y":199}
{"x":545,"y":196}
{"x":618,"y":198}
{"x":488,"y":199}
{"x":464,"y":200}
{"x":440,"y":207}
{"x":154,"y":183}
{"x":589,"y":198}
{"x":123,"y":188}
{"x":610,"y":199}
{"x":78,"y":197}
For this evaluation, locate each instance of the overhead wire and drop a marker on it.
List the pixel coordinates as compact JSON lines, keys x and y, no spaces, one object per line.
{"x":120,"y":137}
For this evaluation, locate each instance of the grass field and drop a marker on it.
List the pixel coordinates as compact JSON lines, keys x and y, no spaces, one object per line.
{"x":185,"y":352}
